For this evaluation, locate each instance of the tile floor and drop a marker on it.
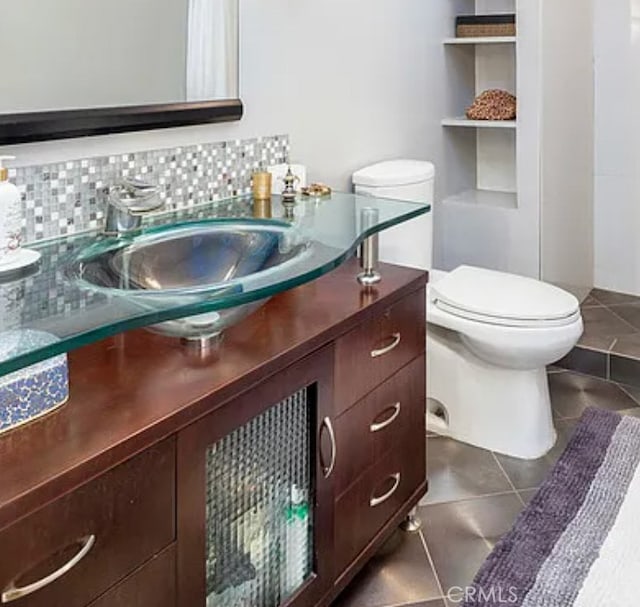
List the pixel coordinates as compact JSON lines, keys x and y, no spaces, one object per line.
{"x":473,"y":499}
{"x":610,"y":345}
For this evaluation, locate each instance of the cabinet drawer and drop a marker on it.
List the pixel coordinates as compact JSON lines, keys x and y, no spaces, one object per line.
{"x":77,"y":547}
{"x":374,"y":498}
{"x":153,"y":585}
{"x":379,"y":347}
{"x":390,"y":416}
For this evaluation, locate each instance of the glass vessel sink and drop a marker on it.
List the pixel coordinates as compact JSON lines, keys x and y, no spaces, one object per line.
{"x":189,"y":272}
{"x":204,"y":259}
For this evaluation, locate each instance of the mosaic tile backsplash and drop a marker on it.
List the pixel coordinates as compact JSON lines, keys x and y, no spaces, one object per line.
{"x":65,"y":198}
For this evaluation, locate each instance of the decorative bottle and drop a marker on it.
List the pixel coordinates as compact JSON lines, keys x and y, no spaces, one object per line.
{"x":10,"y":216}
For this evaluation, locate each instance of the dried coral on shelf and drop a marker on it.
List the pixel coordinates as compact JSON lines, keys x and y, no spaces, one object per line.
{"x":493,"y":104}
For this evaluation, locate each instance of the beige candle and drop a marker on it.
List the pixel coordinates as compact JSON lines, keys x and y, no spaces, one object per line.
{"x":262,"y":185}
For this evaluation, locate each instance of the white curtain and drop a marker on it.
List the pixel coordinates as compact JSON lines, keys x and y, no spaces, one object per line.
{"x":212,"y":50}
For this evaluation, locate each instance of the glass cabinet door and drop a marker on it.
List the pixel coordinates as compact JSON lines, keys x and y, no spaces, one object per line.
{"x":265,"y":496}
{"x":259,"y":507}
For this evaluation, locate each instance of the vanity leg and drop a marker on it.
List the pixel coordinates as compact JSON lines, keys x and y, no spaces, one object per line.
{"x":369,"y":252}
{"x":411,"y":523}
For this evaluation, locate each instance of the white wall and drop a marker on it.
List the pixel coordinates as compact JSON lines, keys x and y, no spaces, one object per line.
{"x":567,"y":146}
{"x":351,"y":83}
{"x":617,"y":142}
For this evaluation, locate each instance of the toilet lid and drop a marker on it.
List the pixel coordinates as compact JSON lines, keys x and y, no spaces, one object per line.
{"x":500,"y":298}
{"x":394,"y":173}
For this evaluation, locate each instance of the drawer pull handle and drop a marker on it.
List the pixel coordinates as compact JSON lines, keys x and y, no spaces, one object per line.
{"x":376,"y":501}
{"x":13,"y":593}
{"x":327,"y":470}
{"x":376,"y":427}
{"x":392,"y":346}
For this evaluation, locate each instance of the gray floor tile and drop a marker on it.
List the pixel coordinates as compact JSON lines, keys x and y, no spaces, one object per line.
{"x":612,"y":297}
{"x":571,"y":394}
{"x":527,"y":474}
{"x":458,"y":471}
{"x":635,"y":412}
{"x":590,"y":301}
{"x":460,"y":535}
{"x":601,"y":343}
{"x":629,"y":313}
{"x":586,"y":360}
{"x":624,"y":370}
{"x":632,"y":391}
{"x":602,"y":322}
{"x":564,"y":429}
{"x":399,"y":574}
{"x":628,"y":345}
{"x":527,"y":494}
{"x":436,"y":603}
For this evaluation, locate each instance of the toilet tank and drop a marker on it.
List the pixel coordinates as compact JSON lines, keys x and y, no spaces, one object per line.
{"x":410,"y":243}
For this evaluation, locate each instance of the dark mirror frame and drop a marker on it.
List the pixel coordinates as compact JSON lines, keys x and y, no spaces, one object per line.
{"x":42,"y":126}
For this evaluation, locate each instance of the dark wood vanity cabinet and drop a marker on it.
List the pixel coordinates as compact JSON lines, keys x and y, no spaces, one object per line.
{"x":366,"y":461}
{"x":303,"y":452}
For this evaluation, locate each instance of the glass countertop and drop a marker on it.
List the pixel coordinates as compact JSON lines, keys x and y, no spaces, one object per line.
{"x":185,"y":264}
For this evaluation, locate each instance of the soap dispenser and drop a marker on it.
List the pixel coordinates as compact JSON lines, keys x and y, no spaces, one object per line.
{"x":12,"y":256}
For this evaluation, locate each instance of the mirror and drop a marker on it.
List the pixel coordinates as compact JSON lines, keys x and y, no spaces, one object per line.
{"x":113,"y":65}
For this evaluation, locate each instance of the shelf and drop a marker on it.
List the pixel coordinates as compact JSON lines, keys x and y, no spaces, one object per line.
{"x":485,"y":198}
{"x":480,"y":124}
{"x":481,"y":40}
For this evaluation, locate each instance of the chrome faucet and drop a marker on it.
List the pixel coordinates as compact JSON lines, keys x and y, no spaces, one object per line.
{"x":127,"y":202}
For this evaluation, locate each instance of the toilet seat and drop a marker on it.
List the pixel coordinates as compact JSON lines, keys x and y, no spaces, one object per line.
{"x":497,"y":298}
{"x":506,"y":322}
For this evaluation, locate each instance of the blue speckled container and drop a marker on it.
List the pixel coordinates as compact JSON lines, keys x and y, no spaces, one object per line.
{"x":36,"y":390}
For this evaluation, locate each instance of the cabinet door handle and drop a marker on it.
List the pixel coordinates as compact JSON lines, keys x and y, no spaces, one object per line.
{"x":12,"y":593}
{"x":376,"y":427}
{"x":327,"y":470}
{"x":376,"y":501}
{"x":392,"y":346}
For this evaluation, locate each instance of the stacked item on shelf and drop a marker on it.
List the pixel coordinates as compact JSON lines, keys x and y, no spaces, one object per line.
{"x":478,"y":26}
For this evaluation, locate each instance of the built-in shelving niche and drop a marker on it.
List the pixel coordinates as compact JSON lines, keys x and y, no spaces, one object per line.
{"x":519,"y":197}
{"x":482,"y":154}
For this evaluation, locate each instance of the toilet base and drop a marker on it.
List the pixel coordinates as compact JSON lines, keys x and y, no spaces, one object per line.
{"x":499,"y":409}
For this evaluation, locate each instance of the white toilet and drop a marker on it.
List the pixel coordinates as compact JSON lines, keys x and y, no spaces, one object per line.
{"x":490,"y":334}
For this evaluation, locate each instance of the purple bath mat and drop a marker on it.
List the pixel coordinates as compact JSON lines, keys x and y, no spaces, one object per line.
{"x":577,"y":543}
